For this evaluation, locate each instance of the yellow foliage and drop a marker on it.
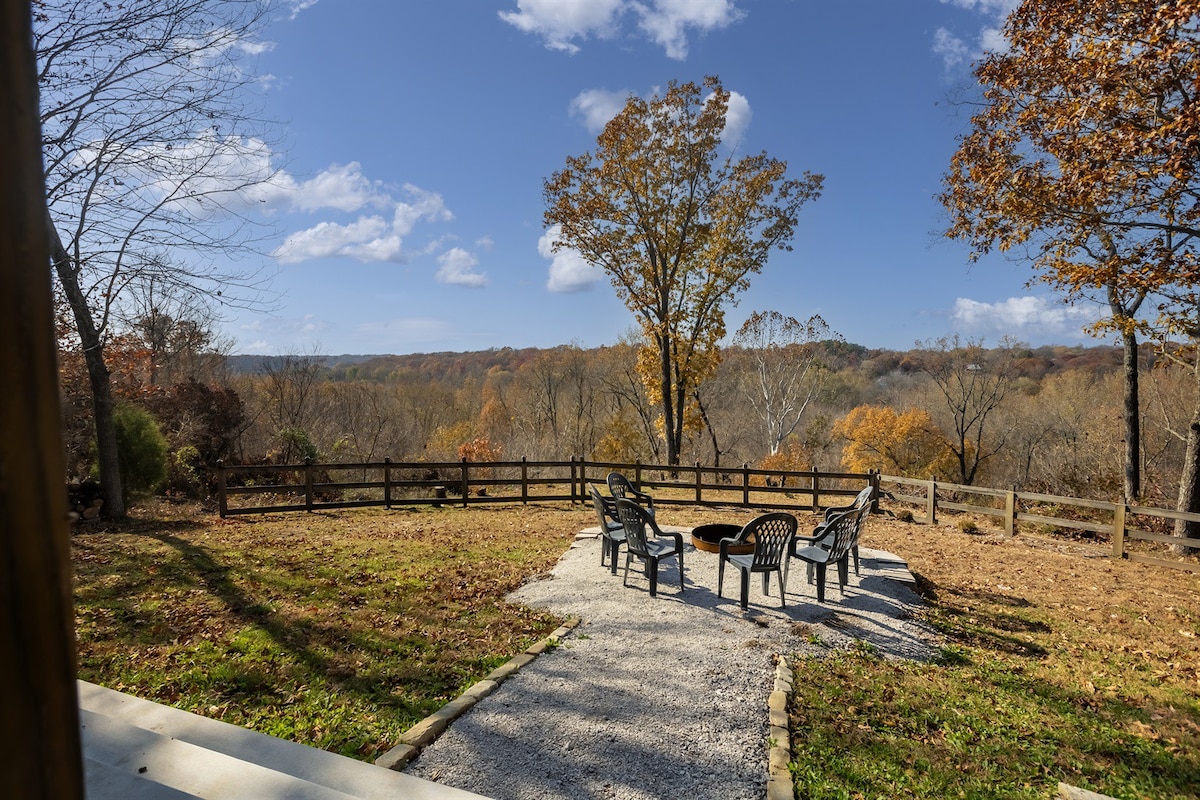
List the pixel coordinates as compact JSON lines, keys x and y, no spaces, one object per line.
{"x":907,"y":443}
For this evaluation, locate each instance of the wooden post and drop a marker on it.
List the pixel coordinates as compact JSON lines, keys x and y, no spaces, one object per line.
{"x":816,"y":489}
{"x":745,"y":484}
{"x":637,"y":473}
{"x":222,"y":495}
{"x":39,"y":713}
{"x":387,"y":482}
{"x":1010,"y":512}
{"x":1119,"y":530}
{"x":466,"y":483}
{"x":524,"y":481}
{"x":931,"y":504}
{"x":873,"y":480}
{"x":699,"y":485}
{"x":308,"y":485}
{"x":582,"y":478}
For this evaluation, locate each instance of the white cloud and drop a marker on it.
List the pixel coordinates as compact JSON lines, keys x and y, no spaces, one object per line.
{"x":955,"y":51}
{"x":342,"y":187}
{"x":331,"y":239}
{"x":597,"y":106}
{"x":737,"y":119}
{"x":427,"y":206}
{"x":569,"y":272}
{"x":300,"y":5}
{"x":458,"y":267}
{"x":560,"y":21}
{"x":1022,"y":316}
{"x":665,"y":22}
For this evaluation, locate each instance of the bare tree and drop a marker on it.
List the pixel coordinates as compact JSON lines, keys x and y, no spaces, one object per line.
{"x":972,"y":383}
{"x":152,"y":150}
{"x":786,"y":369}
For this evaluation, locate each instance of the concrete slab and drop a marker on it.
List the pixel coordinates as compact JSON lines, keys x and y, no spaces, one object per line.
{"x":357,"y":779}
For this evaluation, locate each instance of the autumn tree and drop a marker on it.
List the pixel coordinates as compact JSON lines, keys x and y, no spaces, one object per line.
{"x":678,"y":227}
{"x":907,"y":443}
{"x":787,"y":370}
{"x":149,"y":145}
{"x":1084,"y":152}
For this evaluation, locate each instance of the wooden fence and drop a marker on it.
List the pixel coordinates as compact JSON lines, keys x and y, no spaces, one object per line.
{"x":311,"y":486}
{"x":1031,"y":513}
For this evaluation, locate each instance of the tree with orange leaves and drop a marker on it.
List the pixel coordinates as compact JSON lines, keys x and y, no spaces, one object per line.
{"x":1084,"y":151}
{"x":678,"y":228}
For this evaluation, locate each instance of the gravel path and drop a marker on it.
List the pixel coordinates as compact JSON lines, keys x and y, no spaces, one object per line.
{"x":661,"y":697}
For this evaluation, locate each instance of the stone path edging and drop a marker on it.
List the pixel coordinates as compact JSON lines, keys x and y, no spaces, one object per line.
{"x":421,"y":735}
{"x":779,"y":779}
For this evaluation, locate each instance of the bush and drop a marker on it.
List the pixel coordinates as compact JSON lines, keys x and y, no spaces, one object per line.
{"x":141,"y":452}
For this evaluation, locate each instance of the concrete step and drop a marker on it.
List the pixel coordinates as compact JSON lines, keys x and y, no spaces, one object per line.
{"x":192,"y":755}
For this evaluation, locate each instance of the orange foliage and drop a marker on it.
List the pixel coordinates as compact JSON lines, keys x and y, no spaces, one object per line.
{"x":908,"y":443}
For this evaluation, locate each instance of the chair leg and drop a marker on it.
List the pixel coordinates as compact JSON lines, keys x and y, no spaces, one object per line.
{"x":745,"y":589}
{"x":628,"y":556}
{"x":615,"y":548}
{"x":603,"y":548}
{"x":843,"y":566}
{"x":782,"y":588}
{"x":820,"y":583}
{"x":652,"y":571}
{"x":681,"y":570}
{"x":720,"y":576}
{"x":766,"y":584}
{"x":854,"y":552}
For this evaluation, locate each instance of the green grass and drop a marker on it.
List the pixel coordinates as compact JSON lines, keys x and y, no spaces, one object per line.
{"x":339,"y":630}
{"x":1034,"y":686}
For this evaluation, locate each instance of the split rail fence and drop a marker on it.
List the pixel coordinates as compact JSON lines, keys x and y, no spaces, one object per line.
{"x":1127,"y":531}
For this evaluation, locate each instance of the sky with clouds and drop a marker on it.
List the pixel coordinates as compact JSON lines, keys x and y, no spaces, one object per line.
{"x":406,"y":186}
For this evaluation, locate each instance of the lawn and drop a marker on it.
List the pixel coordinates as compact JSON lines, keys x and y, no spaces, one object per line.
{"x":342,"y":629}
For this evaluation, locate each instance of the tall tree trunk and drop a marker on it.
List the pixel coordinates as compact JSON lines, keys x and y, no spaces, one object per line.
{"x":1133,"y":438}
{"x":668,"y":402}
{"x":98,"y":377}
{"x":1189,"y":481}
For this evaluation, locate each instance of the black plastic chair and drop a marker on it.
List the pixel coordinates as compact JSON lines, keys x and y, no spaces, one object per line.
{"x":650,"y":549}
{"x":831,"y":543}
{"x":620,"y":486}
{"x":612,"y":533}
{"x":772,"y":535}
{"x":863,"y":498}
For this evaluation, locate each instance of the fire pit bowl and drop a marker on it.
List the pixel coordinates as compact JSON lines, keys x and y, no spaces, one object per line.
{"x":708,"y":538}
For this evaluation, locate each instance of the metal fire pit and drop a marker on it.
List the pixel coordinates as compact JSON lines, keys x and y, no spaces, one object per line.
{"x":708,"y":538}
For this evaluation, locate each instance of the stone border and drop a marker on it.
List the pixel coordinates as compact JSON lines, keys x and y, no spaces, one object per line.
{"x":423,"y":734}
{"x":779,"y":777}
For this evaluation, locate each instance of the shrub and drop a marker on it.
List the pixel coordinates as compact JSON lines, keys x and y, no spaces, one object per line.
{"x":968,"y":526}
{"x":141,"y":452}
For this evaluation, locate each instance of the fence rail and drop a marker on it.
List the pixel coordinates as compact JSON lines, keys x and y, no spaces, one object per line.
{"x":312,"y":487}
{"x":1106,"y":521}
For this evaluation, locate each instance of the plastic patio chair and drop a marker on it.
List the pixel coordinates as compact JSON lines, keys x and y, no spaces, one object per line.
{"x":650,"y":549}
{"x":773,"y":535}
{"x":863,"y":498}
{"x":830,"y":544}
{"x":612,"y":532}
{"x":620,"y":486}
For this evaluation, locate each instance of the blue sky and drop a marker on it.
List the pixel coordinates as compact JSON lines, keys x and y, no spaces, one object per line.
{"x":417,"y":134}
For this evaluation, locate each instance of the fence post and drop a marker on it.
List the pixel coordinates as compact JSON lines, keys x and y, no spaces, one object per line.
{"x":1010,"y":512}
{"x":582,"y":476}
{"x":308,"y":485}
{"x":466,"y":483}
{"x":699,"y":486}
{"x":222,"y":500}
{"x":387,"y":482}
{"x":1119,"y":530}
{"x":524,"y":482}
{"x":637,"y":473}
{"x":745,"y":483}
{"x":931,"y":504}
{"x":816,"y":489}
{"x":873,"y":480}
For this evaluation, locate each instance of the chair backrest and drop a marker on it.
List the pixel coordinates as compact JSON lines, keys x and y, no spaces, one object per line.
{"x":606,"y":513}
{"x":634,"y":520}
{"x":863,"y":497}
{"x":773,"y":534}
{"x":841,"y":532}
{"x":620,"y":486}
{"x":860,"y":519}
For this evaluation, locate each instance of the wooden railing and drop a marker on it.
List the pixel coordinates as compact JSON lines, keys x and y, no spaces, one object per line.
{"x":1111,"y":525}
{"x":312,"y":486}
